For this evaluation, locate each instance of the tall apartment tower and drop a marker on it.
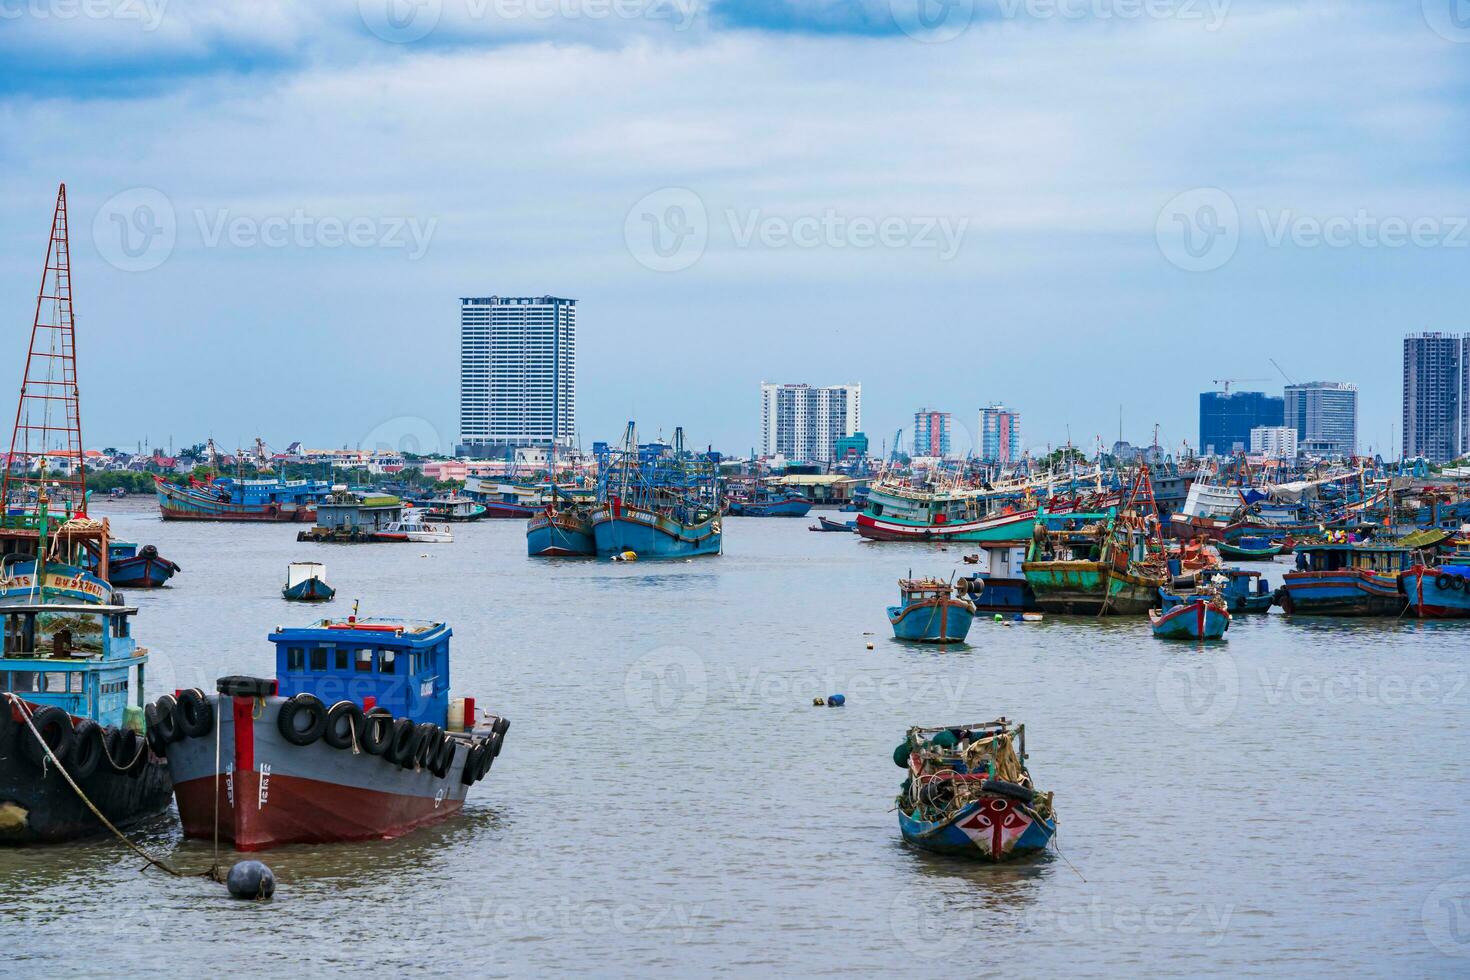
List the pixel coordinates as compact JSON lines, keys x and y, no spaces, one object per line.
{"x":1436,"y":393}
{"x":1226,"y":419}
{"x":931,"y":433}
{"x":517,"y":373}
{"x":803,"y":423}
{"x":1000,"y":435}
{"x":1325,"y":416}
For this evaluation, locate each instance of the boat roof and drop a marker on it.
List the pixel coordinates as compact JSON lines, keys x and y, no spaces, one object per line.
{"x":379,"y":628}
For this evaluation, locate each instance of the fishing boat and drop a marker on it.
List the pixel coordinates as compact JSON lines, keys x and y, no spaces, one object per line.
{"x":227,"y":499}
{"x":504,"y":500}
{"x":306,"y":581}
{"x":827,"y":524}
{"x":355,"y":516}
{"x":898,"y":512}
{"x":1438,"y":592}
{"x":1207,"y":511}
{"x":1191,"y":616}
{"x":1346,"y":578}
{"x":930,"y":611}
{"x":413,"y":530}
{"x":1249,"y":548}
{"x":657,"y":501}
{"x":1246,"y":591}
{"x":998,"y":585}
{"x":968,"y":793}
{"x":562,"y":530}
{"x":771,"y":505}
{"x":131,"y":567}
{"x":453,"y":508}
{"x":355,"y":738}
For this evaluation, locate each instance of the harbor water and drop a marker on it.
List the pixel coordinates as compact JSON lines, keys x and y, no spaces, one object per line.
{"x":1293,"y":801}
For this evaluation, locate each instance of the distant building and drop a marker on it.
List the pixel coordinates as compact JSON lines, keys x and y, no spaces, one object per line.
{"x":803,"y":423}
{"x":1275,"y":441}
{"x":854,"y":446}
{"x":1325,"y":416}
{"x":931,"y":433}
{"x":1436,"y":396}
{"x":517,"y":373}
{"x":1000,"y":435}
{"x":1226,"y":419}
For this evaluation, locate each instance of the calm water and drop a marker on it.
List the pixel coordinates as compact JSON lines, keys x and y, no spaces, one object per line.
{"x":1291,"y":802}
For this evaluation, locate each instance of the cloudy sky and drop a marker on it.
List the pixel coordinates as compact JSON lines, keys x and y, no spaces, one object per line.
{"x":1078,"y":207}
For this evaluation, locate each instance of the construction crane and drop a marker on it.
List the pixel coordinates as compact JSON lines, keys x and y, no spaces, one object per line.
{"x":1227,"y":382}
{"x":1283,"y":372}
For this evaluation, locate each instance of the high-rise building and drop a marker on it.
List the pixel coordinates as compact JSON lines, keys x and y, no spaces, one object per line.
{"x":1000,"y":434}
{"x":1275,"y":441}
{"x":517,"y":373}
{"x":1226,"y":419}
{"x":1436,"y":390}
{"x":803,"y":423}
{"x":931,"y":433}
{"x":1325,"y":416}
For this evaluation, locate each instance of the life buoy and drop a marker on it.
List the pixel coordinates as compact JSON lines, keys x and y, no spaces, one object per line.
{"x":55,"y":728}
{"x":310,"y":709}
{"x":343,"y":720}
{"x":86,"y":749}
{"x":377,"y":731}
{"x":195,"y":714}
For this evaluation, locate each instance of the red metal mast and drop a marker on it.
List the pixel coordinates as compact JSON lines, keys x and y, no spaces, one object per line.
{"x":48,"y":421}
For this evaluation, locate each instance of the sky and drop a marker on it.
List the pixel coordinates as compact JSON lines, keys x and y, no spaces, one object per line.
{"x":1090,"y":210}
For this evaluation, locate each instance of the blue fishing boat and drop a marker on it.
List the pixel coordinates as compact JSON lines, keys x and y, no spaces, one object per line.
{"x":1246,"y":591}
{"x":1192,"y":616}
{"x":1346,"y":578}
{"x":228,"y":499}
{"x":657,"y":501}
{"x":929,"y":611}
{"x":562,"y":530}
{"x":306,"y":581}
{"x":771,"y":505}
{"x":968,"y":793}
{"x":826,"y":524}
{"x":131,"y":567}
{"x":999,"y":585}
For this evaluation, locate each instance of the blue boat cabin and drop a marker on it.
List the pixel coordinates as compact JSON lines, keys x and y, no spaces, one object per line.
{"x":1386,"y":559}
{"x":397,"y":664}
{"x":79,"y":657}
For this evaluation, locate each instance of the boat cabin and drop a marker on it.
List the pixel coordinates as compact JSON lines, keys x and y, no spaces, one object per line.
{"x":398,"y":664}
{"x":78,"y":656}
{"x":1382,"y":559}
{"x":349,"y":510}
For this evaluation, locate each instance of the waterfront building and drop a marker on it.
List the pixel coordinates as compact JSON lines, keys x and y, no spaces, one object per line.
{"x":931,"y":433}
{"x":1325,"y":416}
{"x":1000,"y":435}
{"x":1436,"y":396}
{"x":803,"y":422}
{"x":517,"y":373}
{"x":852,"y":447}
{"x":1226,"y":419}
{"x":1275,"y":441}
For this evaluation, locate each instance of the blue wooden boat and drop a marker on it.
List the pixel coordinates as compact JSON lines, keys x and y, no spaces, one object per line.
{"x":1249,"y":549}
{"x":306,"y":581}
{"x":968,"y":793}
{"x":793,"y":505}
{"x":619,"y":528}
{"x":131,"y":567}
{"x":929,"y":611}
{"x":657,"y":501}
{"x":826,"y":524}
{"x":1246,"y":591}
{"x":1193,"y":616}
{"x":561,"y":532}
{"x":1346,"y":578}
{"x":227,"y":499}
{"x":1440,"y":591}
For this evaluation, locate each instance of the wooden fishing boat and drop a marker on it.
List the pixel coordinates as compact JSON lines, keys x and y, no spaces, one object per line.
{"x":968,"y":793}
{"x":131,"y":567}
{"x":1195,"y":616}
{"x":1438,"y":592}
{"x":1246,"y":591}
{"x":1249,"y":549}
{"x":826,"y":524}
{"x":306,"y":581}
{"x":561,"y":531}
{"x":929,"y":611}
{"x":1346,"y":578}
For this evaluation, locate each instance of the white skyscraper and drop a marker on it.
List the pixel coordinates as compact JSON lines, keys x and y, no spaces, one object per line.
{"x":517,"y":373}
{"x":803,"y":423}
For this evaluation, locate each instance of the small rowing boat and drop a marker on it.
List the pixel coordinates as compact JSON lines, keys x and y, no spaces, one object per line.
{"x":1194,"y":616}
{"x":929,"y":611}
{"x":824,"y":524}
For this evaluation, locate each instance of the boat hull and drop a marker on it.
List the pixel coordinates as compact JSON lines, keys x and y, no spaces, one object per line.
{"x":775,"y":508}
{"x":140,"y":572}
{"x":1432,"y":596}
{"x":179,"y":504}
{"x":268,"y":791}
{"x":988,"y":829}
{"x":1089,"y":588}
{"x":505,"y":511}
{"x":935,"y":620}
{"x":650,"y":535}
{"x":1006,"y":527}
{"x":1005,"y":595}
{"x":1199,"y":620}
{"x":1228,"y":550}
{"x":560,"y":535}
{"x":311,"y":590}
{"x":1345,"y":592}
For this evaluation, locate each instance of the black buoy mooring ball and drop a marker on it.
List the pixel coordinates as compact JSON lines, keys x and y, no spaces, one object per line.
{"x":251,"y":879}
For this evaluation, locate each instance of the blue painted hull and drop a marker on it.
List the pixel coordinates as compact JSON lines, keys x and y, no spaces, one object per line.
{"x":1438,"y":593}
{"x":140,"y":573}
{"x":654,"y":536}
{"x":1005,"y":595}
{"x":932,"y":621}
{"x":794,"y":507}
{"x":990,"y":829}
{"x":560,"y":536}
{"x":1345,"y":592}
{"x":312,"y":590}
{"x":1197,"y":620}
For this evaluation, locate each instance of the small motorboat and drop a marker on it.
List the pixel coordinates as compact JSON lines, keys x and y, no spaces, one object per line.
{"x":824,"y":524}
{"x":131,"y":567}
{"x":1250,"y":549}
{"x":968,"y":793}
{"x":1246,"y":591}
{"x":306,"y":581}
{"x":930,"y":611}
{"x":1192,"y":616}
{"x":412,"y":529}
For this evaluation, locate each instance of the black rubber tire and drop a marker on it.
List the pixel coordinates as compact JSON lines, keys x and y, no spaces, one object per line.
{"x":120,"y":749}
{"x":497,"y":742}
{"x":501,"y":726}
{"x":487,"y":758}
{"x":377,"y":732}
{"x":400,"y":749}
{"x":1461,"y":583}
{"x":471,"y":763}
{"x":1444,"y":581}
{"x":423,"y":743}
{"x":443,"y":757}
{"x":55,"y":727}
{"x":1012,"y":791}
{"x":194,"y":713}
{"x":430,"y":752}
{"x":86,"y":749}
{"x":316,"y":719}
{"x":243,"y":686}
{"x":152,"y":733}
{"x":132,"y":751}
{"x":344,"y":719}
{"x":167,"y":714}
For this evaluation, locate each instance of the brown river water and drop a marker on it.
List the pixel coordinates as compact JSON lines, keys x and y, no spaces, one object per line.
{"x":1292,"y":802}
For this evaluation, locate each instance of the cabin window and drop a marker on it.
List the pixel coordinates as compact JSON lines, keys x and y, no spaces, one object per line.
{"x":364,"y":662}
{"x":341,"y":659}
{"x":23,"y":681}
{"x":295,"y":658}
{"x":387,"y":662}
{"x":319,"y":658}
